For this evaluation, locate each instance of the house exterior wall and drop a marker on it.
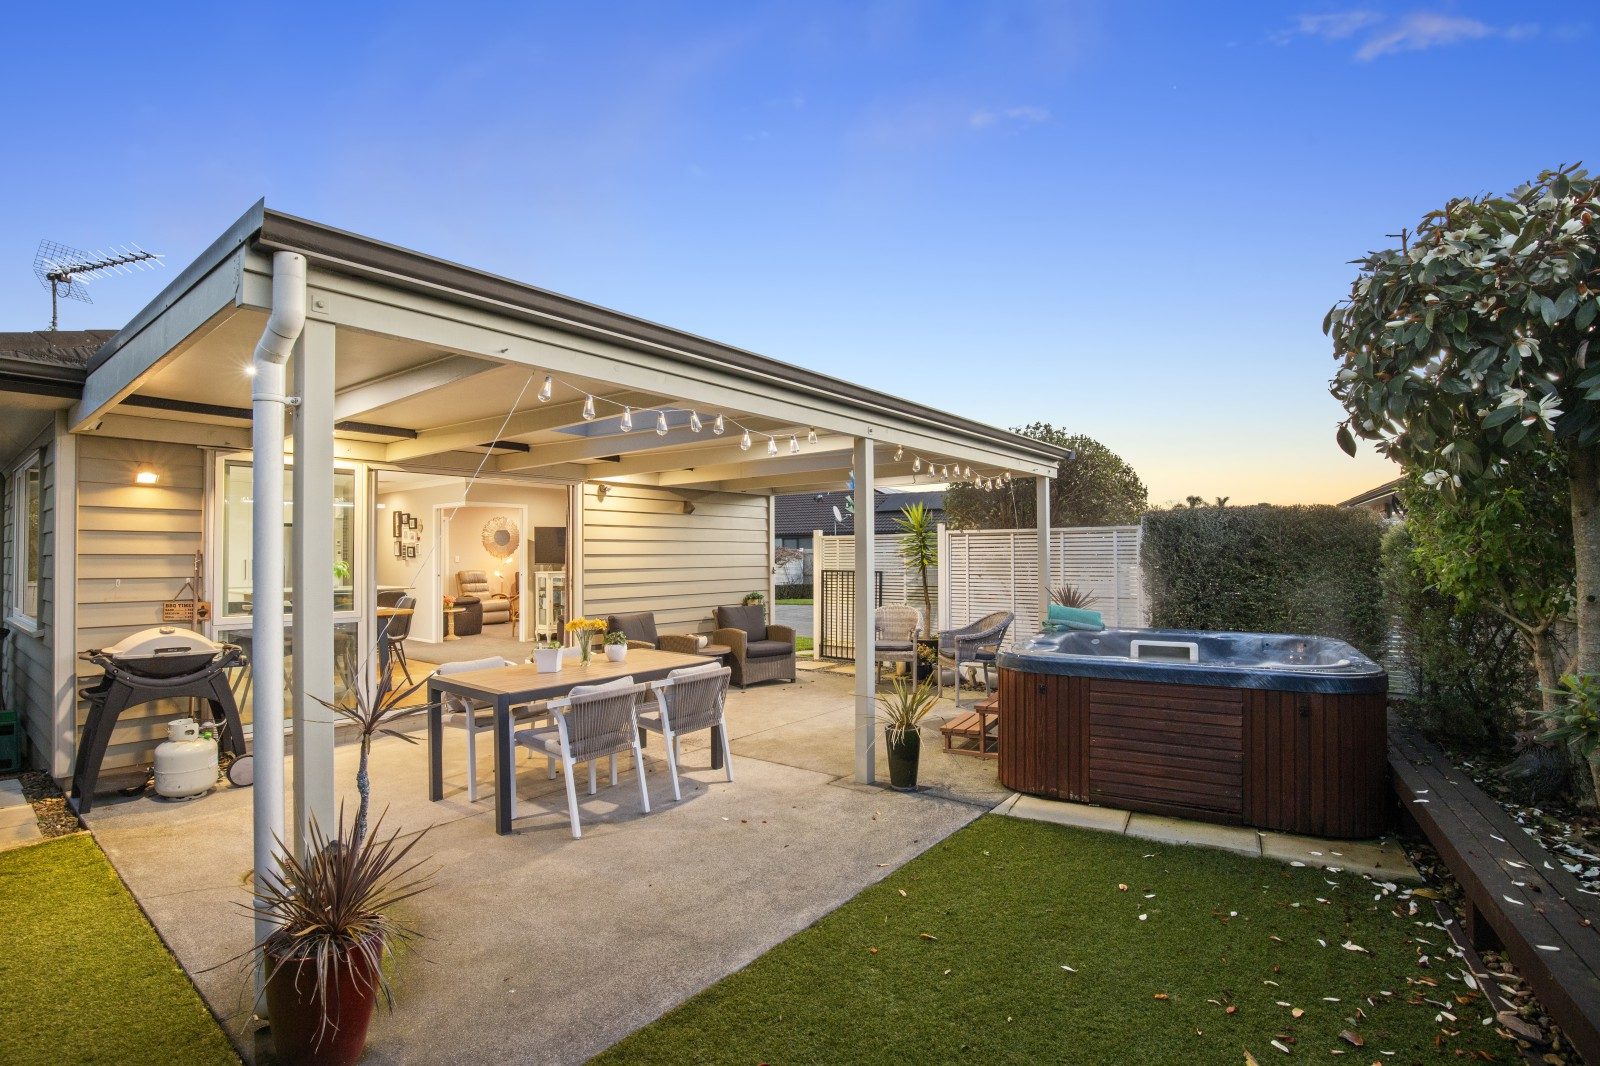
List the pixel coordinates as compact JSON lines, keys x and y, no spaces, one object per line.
{"x":136,"y":547}
{"x":642,"y":553}
{"x":29,"y":656}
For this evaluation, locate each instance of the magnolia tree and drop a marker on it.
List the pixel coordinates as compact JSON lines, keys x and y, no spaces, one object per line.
{"x":1467,"y":348}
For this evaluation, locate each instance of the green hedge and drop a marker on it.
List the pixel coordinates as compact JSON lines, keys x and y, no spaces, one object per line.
{"x":801,"y":591}
{"x":1267,"y":569}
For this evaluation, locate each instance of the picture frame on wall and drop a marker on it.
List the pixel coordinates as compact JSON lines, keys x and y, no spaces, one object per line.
{"x":411,"y":521}
{"x":399,"y":522}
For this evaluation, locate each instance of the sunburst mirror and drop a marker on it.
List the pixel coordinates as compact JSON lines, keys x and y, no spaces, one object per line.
{"x":500,"y":536}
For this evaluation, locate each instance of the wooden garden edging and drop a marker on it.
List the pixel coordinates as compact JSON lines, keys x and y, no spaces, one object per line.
{"x":1519,"y":899}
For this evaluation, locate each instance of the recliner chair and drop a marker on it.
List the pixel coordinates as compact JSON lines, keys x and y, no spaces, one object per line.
{"x":496,"y":605}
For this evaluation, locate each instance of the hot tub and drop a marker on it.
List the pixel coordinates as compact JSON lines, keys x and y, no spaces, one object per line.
{"x":1269,"y":730}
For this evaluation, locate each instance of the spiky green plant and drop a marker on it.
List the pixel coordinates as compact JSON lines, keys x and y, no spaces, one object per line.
{"x":919,"y":547}
{"x":1072,"y":596}
{"x":904,"y":707}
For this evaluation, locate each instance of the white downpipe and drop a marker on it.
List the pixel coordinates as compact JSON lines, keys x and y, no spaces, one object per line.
{"x":267,"y":408}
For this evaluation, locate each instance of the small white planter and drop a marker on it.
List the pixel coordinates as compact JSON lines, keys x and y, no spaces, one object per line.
{"x":616,"y":652}
{"x":548,"y":660}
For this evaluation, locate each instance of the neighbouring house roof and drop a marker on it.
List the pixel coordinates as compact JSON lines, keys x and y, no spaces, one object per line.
{"x":1374,"y":496}
{"x":51,"y":362}
{"x":801,"y":514}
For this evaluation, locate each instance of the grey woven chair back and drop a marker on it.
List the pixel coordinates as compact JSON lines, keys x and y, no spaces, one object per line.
{"x":695,"y":701}
{"x":896,"y":623}
{"x":600,"y":722}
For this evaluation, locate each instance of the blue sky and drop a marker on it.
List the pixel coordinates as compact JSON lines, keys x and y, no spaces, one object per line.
{"x":1127,"y":219}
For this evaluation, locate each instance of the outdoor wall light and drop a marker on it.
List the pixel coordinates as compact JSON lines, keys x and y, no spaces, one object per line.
{"x":688,"y":507}
{"x":601,"y":490}
{"x":146,"y":475}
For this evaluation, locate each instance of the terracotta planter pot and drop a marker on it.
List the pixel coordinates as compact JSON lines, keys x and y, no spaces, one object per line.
{"x":299,"y":1037}
{"x":903,"y":758}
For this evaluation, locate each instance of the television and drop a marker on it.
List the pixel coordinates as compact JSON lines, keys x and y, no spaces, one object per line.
{"x":550,"y":546}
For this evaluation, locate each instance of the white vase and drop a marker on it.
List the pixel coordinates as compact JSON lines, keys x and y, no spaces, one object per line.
{"x":616,"y":652}
{"x":548,"y":660}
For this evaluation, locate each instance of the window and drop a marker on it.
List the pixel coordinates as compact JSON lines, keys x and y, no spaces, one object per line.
{"x":29,"y":559}
{"x":237,"y":509}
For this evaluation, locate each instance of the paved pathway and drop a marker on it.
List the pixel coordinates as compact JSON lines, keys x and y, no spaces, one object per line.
{"x":18,"y":826}
{"x":796,"y":616}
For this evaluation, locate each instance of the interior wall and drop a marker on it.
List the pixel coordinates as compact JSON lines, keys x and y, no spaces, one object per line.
{"x":465,"y":550}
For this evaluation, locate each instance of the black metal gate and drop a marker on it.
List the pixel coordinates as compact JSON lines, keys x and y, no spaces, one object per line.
{"x":838,"y":637}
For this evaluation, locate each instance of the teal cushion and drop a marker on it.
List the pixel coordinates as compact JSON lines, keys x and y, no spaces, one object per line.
{"x":1075,"y":618}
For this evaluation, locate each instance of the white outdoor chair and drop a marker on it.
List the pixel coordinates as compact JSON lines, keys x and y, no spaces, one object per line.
{"x":896,"y":629}
{"x":469,"y":710}
{"x":593,"y":720}
{"x":688,"y":701}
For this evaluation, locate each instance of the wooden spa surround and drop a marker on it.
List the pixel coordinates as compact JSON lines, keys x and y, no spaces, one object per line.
{"x":1297,"y":762}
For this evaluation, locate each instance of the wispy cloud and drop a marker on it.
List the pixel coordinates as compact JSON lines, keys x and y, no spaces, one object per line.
{"x":1026,"y":115}
{"x":1381,"y":35}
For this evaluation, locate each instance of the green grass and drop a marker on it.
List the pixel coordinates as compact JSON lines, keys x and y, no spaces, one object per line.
{"x":83,"y":977}
{"x":797,"y":602}
{"x":802,"y":644}
{"x":1011,"y":903}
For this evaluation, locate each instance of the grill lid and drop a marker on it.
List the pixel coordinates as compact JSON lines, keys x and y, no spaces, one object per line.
{"x":161,"y":642}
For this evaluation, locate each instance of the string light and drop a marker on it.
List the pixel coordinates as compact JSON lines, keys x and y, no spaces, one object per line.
{"x":717,"y":427}
{"x":627,"y":420}
{"x":794,"y":445}
{"x":916,"y":465}
{"x":661,"y":423}
{"x":772,"y":447}
{"x":744,"y":441}
{"x":811,"y":438}
{"x":547,"y":388}
{"x":694,"y":421}
{"x":588,"y":408}
{"x":898,"y":452}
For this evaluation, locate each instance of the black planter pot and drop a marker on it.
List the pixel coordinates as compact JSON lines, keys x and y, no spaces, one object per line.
{"x":903,"y":756}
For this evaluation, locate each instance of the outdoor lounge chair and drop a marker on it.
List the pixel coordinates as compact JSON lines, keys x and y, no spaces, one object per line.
{"x":468,"y":710}
{"x":688,"y":701}
{"x":592,"y":721}
{"x":757,"y":651}
{"x":896,"y":630}
{"x":640,"y":629}
{"x":976,"y":643}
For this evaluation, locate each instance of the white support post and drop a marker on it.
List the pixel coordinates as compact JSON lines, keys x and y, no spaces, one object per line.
{"x":816,"y":595}
{"x":312,"y":556}
{"x":866,"y":652}
{"x":1042,"y":506}
{"x":942,"y":622}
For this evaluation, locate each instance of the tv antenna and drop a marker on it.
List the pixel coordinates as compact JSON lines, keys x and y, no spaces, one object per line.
{"x":65,"y":271}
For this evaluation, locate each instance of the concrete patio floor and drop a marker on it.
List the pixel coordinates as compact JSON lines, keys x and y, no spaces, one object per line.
{"x":542,"y":948}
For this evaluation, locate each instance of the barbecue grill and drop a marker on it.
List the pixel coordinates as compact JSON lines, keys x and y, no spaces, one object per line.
{"x":163,"y":663}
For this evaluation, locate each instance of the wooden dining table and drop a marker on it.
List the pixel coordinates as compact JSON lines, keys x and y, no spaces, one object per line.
{"x":506,"y":687}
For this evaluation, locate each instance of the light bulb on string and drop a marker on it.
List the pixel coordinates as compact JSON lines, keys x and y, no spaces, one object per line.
{"x":794,"y":445}
{"x":717,"y":427}
{"x":744,"y":441}
{"x":694,"y":422}
{"x":916,"y":464}
{"x":546,"y":389}
{"x":772,"y":447}
{"x":898,"y":452}
{"x":627,"y":420}
{"x":811,"y":438}
{"x":588,"y":408}
{"x":661,"y":423}
{"x":969,"y":473}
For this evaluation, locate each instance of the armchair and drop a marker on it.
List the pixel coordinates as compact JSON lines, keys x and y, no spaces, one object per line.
{"x":978,"y":643}
{"x":896,"y":630}
{"x":757,"y":651}
{"x":496,"y":605}
{"x":640,"y":629}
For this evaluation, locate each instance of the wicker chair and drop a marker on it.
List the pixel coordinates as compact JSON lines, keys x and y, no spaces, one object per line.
{"x":896,"y":630}
{"x":592,"y":721}
{"x":758,"y":652}
{"x":976,"y":643}
{"x":640,"y":629}
{"x":688,"y":701}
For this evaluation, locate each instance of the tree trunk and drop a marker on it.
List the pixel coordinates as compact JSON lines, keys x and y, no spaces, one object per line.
{"x":364,"y":786}
{"x":1583,"y":472}
{"x":927,"y":600}
{"x":1542,"y":648}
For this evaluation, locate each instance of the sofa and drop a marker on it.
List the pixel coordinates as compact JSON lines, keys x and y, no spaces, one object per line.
{"x":496,"y":605}
{"x":759,"y":652}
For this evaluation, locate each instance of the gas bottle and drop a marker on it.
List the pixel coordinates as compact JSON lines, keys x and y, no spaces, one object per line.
{"x":186,"y":762}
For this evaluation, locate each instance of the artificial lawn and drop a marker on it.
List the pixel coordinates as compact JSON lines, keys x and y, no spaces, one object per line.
{"x":795,"y":602}
{"x":962,"y":955}
{"x":83,"y":977}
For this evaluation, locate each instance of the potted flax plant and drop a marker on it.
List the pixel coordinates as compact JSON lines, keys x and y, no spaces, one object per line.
{"x":902,"y":710}
{"x":333,"y":909}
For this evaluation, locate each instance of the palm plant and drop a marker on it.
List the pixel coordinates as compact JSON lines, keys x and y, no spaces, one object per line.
{"x":919,"y":547}
{"x":1071,"y":596}
{"x":904,"y":707}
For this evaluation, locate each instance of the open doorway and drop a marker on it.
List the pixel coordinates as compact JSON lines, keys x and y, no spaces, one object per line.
{"x":486,"y":548}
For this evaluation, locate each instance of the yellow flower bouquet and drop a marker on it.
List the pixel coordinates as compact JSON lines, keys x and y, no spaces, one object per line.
{"x":584,"y":627}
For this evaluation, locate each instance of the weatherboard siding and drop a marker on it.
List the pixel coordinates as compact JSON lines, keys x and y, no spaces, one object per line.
{"x":28,"y":667}
{"x":642,"y":553}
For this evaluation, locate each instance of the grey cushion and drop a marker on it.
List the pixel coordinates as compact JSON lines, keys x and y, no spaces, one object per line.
{"x":767,"y":649}
{"x":640,"y":625}
{"x":752,"y":619}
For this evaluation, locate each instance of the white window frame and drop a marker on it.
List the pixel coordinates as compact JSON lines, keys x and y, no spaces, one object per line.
{"x":20,"y":547}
